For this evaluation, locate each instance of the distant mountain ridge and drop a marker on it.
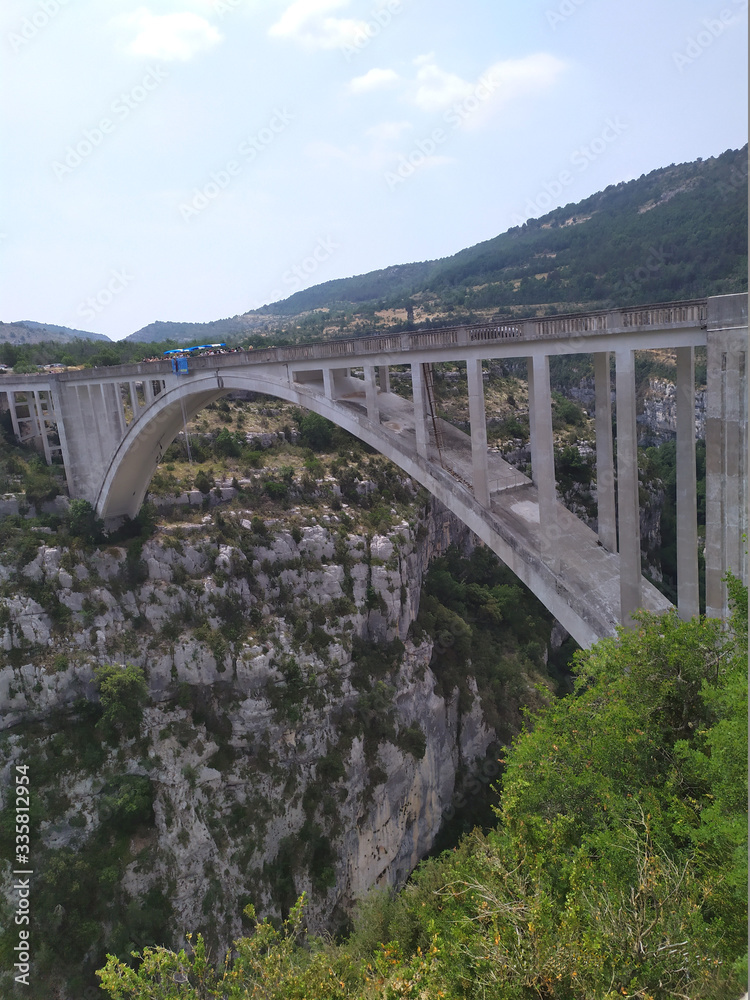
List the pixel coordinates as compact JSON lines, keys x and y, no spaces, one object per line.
{"x":28,"y":331}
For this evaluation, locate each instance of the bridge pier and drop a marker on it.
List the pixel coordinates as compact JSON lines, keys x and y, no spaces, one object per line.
{"x":371,"y":394}
{"x":688,"y":596}
{"x":419,"y":394}
{"x":543,"y":449}
{"x":478,"y":426}
{"x":384,"y":374}
{"x":726,"y":448}
{"x":629,"y":541}
{"x":605,"y":465}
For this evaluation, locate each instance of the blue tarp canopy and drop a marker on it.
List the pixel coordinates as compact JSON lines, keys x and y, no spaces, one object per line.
{"x":176,"y":350}
{"x":205,"y":347}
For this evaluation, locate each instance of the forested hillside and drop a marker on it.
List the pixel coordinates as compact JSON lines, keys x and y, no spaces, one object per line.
{"x":678,"y":232}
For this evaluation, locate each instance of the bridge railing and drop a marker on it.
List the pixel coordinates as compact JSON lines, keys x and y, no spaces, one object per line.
{"x":695,"y":311}
{"x":548,"y":327}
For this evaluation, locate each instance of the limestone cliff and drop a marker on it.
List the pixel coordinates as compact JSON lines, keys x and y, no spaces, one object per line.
{"x":275,"y":762}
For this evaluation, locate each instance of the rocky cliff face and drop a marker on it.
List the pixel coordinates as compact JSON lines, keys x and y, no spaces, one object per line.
{"x":293,"y":738}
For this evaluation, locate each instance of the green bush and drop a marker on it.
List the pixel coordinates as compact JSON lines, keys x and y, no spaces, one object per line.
{"x":122,"y":692}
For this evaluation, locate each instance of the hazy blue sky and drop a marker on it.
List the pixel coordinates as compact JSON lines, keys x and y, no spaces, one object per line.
{"x":193,"y":159}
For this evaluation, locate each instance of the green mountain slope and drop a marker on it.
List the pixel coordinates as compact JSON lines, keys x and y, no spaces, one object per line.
{"x":677,"y":232}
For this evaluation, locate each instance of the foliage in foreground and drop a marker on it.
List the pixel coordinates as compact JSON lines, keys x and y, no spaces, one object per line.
{"x":618,"y":868}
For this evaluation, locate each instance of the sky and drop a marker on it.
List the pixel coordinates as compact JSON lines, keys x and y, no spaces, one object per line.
{"x":190,"y":160}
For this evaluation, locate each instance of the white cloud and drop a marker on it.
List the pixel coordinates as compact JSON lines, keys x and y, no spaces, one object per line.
{"x":434,"y":89}
{"x":437,"y":90}
{"x":170,"y":36}
{"x":373,"y":80}
{"x":388,"y":131}
{"x":306,"y":21}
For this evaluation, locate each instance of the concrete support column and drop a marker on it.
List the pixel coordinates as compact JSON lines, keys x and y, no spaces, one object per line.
{"x":726,"y":449}
{"x":57,"y":408}
{"x":14,"y":415}
{"x":328,"y":383}
{"x":605,"y":465}
{"x":688,"y":600}
{"x":118,"y":414}
{"x":542,"y":439}
{"x":478,"y":419}
{"x":385,"y":378}
{"x":112,"y":414}
{"x":419,"y":395}
{"x":42,"y":426}
{"x":371,"y":394}
{"x":627,"y":488}
{"x":134,"y":401}
{"x":148,"y":391}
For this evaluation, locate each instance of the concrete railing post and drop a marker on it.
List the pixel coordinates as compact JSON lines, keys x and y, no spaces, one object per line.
{"x":627,"y":488}
{"x":688,"y":600}
{"x":605,"y":466}
{"x":478,"y":419}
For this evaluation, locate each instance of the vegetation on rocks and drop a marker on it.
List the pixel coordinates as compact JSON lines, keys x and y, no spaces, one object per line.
{"x":618,"y":867}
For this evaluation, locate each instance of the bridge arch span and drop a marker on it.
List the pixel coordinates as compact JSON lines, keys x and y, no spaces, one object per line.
{"x":135,"y":460}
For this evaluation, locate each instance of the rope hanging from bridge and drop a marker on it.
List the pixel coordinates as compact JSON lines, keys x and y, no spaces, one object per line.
{"x":185,"y":430}
{"x":429,"y":382}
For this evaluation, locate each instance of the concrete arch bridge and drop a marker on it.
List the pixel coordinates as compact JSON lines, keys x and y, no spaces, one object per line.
{"x":110,"y":426}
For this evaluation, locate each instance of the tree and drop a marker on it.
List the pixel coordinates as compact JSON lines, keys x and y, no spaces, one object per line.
{"x":122,"y":692}
{"x":83,"y":522}
{"x":316,"y":432}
